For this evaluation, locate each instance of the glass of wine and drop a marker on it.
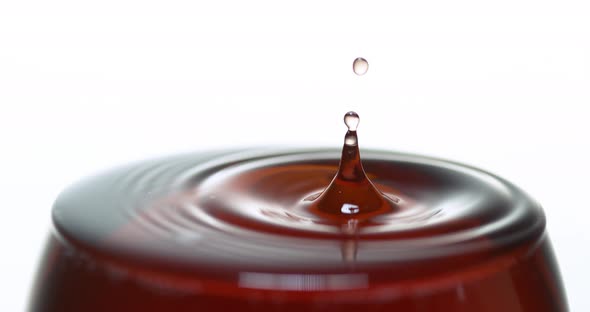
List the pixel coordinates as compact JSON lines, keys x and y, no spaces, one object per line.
{"x":298,"y":230}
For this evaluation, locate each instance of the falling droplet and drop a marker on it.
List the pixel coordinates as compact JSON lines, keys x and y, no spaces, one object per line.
{"x":360,"y":66}
{"x":351,"y":120}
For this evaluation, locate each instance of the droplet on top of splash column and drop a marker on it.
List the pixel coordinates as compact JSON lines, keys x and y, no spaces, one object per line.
{"x":360,"y":66}
{"x":351,"y":120}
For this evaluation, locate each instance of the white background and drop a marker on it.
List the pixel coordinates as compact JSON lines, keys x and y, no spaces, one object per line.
{"x":85,"y":85}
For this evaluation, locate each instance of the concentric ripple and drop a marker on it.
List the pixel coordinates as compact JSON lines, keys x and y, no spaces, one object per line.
{"x":246,"y":210}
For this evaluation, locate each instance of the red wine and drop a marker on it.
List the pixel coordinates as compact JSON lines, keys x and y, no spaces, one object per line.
{"x":303,"y":230}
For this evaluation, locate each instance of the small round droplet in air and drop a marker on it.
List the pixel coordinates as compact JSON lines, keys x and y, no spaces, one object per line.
{"x":360,"y":66}
{"x":351,"y":120}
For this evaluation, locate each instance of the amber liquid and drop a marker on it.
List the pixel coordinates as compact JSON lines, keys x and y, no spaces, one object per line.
{"x":257,"y":231}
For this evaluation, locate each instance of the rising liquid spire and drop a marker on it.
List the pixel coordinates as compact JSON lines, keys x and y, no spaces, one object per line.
{"x":351,"y":194}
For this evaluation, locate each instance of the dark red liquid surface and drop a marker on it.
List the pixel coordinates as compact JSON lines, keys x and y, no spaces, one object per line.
{"x":247,"y":231}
